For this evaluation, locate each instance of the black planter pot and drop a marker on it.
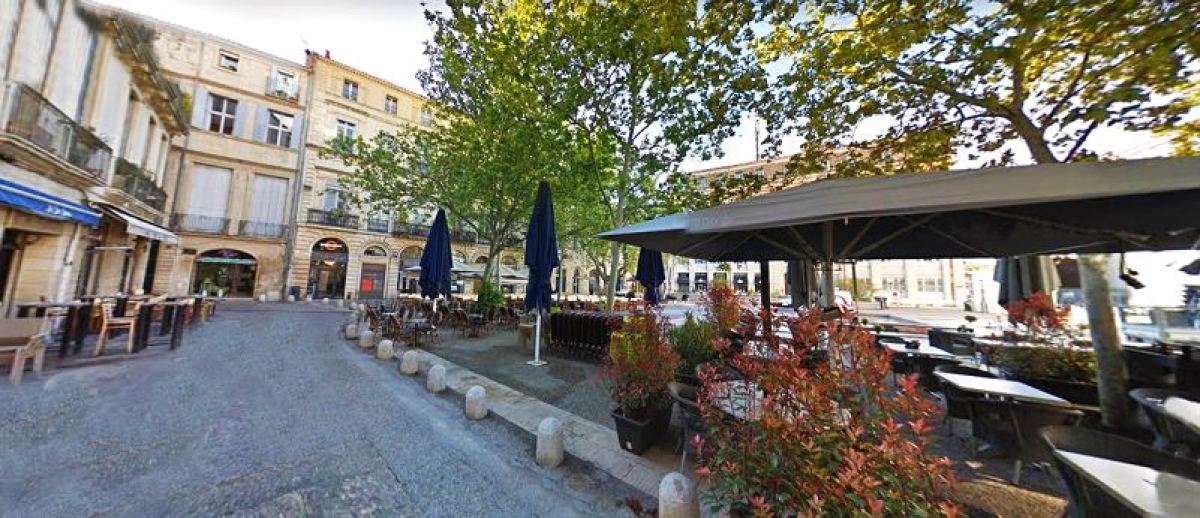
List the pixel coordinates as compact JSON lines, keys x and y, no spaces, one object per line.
{"x":637,"y":436}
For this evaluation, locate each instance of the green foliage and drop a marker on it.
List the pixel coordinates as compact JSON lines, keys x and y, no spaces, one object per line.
{"x":1060,"y":363}
{"x":693,"y":342}
{"x":640,"y":365}
{"x":489,"y":295}
{"x":975,"y":77}
{"x":866,"y":291}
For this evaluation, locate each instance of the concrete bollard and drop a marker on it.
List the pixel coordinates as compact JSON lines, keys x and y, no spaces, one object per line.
{"x":550,"y":443}
{"x":262,"y":299}
{"x":351,"y":331}
{"x":308,"y":298}
{"x":476,"y":404}
{"x":291,"y":298}
{"x":366,"y":339}
{"x":676,"y":497}
{"x":435,"y":381}
{"x":385,"y":350}
{"x":341,"y":303}
{"x":410,"y":363}
{"x":325,"y":301}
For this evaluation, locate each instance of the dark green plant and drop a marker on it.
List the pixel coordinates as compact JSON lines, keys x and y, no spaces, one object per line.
{"x":693,"y":341}
{"x":489,"y":295}
{"x":1059,"y":363}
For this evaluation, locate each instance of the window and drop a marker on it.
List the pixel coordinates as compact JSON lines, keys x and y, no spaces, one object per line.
{"x":267,"y":204}
{"x":279,"y":128}
{"x":346,"y":129}
{"x":930,"y":285}
{"x":222,"y":113}
{"x":335,"y":197}
{"x":284,"y":84}
{"x":228,"y":61}
{"x":209,"y":199}
{"x":391,"y":105}
{"x":350,"y":90}
{"x":426,"y":117}
{"x":895,"y":284}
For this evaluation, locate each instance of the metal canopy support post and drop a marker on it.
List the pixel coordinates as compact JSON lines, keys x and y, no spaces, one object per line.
{"x":827,"y":265}
{"x":764,"y":268}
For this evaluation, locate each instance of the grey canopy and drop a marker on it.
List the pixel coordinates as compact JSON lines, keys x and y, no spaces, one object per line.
{"x":1081,"y":207}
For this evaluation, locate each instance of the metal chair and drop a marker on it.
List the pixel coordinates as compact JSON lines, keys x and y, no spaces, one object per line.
{"x":958,"y":402}
{"x":1013,"y":426}
{"x":692,"y":423}
{"x":1169,"y":435}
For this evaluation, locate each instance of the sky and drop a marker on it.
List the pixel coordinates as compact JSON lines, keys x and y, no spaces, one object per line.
{"x":387,"y":38}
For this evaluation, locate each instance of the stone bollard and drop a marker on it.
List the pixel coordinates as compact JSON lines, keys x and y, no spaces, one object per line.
{"x":476,"y":405}
{"x":291,"y":298}
{"x":262,"y":299}
{"x":550,"y":443}
{"x":385,"y":350}
{"x":435,"y":381}
{"x":308,"y":298}
{"x":410,"y":363}
{"x":676,"y":498}
{"x":366,"y":339}
{"x":341,"y":303}
{"x":325,"y":301}
{"x":352,"y":331}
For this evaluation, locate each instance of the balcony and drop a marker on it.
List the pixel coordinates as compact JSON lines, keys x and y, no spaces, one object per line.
{"x":262,"y":229}
{"x":199,"y":224}
{"x":138,"y":183}
{"x":378,"y":225}
{"x":26,"y":114}
{"x":410,"y":230}
{"x":321,"y":217}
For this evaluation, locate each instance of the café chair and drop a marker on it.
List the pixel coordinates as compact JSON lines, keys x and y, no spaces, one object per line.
{"x":109,"y":323}
{"x":1012,"y":427}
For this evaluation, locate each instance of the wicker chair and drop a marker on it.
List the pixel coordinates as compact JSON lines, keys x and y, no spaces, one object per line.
{"x":692,"y":423}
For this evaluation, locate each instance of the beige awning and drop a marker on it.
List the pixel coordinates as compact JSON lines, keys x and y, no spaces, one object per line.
{"x":140,"y":227}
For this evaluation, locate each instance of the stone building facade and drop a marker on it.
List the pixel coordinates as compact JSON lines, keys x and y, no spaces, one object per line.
{"x":86,"y":122}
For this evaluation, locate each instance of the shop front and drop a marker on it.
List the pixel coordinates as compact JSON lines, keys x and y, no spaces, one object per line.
{"x":225,"y":272}
{"x":327,"y":269}
{"x":373,"y":280}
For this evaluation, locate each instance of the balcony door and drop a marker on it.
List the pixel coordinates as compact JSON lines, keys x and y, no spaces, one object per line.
{"x":209,"y":199}
{"x":267,"y":205}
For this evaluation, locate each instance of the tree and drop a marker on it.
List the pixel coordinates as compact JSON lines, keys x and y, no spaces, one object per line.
{"x":491,"y":144}
{"x":1005,"y":82}
{"x":651,"y":81}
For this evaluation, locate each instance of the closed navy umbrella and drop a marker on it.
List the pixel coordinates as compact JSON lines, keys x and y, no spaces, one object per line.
{"x":435,"y":260}
{"x":541,"y":256}
{"x":650,"y":273}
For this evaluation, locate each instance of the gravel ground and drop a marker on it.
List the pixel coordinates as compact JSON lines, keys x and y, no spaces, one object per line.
{"x":265,"y":411}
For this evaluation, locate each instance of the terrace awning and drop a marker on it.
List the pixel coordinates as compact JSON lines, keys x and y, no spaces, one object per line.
{"x":1061,"y":208}
{"x":140,"y":227}
{"x":33,"y":201}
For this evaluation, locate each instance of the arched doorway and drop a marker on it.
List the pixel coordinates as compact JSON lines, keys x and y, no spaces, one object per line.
{"x":409,"y":257}
{"x":225,"y":271}
{"x":327,"y":268}
{"x":374,"y":273}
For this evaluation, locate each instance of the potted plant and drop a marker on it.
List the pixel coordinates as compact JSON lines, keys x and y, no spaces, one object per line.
{"x":726,"y":311}
{"x":831,"y":439}
{"x":640,"y":365}
{"x":692,"y":340}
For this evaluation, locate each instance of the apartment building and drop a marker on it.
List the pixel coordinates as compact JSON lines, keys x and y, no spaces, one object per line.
{"x":86,"y":121}
{"x":339,"y":251}
{"x":238,"y":166}
{"x":943,"y":282}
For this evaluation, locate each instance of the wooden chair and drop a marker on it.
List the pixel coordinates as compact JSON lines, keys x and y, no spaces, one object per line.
{"x":35,"y":349}
{"x":109,"y":323}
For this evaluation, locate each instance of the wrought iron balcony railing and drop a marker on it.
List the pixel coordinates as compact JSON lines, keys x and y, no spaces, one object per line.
{"x":262,"y":229}
{"x":322,"y":217}
{"x":378,"y":225}
{"x":26,"y":114}
{"x":199,"y":223}
{"x":138,"y":183}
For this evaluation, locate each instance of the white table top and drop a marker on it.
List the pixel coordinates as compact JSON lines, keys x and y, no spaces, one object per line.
{"x":923,"y":349}
{"x":740,"y":399}
{"x":1151,"y":492}
{"x":1000,"y":387}
{"x":1184,"y":411}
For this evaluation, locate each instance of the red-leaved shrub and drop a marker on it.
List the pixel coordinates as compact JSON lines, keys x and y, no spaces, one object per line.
{"x":830,"y":437}
{"x":640,"y":365}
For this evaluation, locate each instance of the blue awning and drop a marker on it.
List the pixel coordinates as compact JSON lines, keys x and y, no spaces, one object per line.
{"x":37,"y":202}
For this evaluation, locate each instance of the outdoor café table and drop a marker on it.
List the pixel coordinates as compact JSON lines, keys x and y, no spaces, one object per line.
{"x":75,"y":328}
{"x":1184,"y":411}
{"x":737,"y":398}
{"x":1149,"y":491}
{"x":172,"y":324}
{"x":1000,"y":387}
{"x":923,"y":347}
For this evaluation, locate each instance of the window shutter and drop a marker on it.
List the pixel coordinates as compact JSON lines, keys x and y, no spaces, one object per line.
{"x":200,"y":107}
{"x":239,"y":123}
{"x":273,"y":81}
{"x":260,"y":124}
{"x":297,"y":131}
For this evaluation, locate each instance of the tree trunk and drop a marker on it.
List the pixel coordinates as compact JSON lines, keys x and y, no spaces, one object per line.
{"x":614,"y":269}
{"x":1110,"y":365}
